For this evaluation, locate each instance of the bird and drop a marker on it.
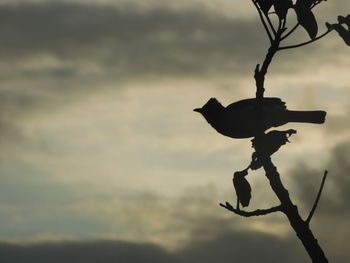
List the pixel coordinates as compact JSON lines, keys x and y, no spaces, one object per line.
{"x":241,"y":119}
{"x":242,"y":187}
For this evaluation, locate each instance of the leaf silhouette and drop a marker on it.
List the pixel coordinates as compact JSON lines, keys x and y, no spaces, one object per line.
{"x":344,"y":20}
{"x":242,"y":187}
{"x":265,"y":5}
{"x":272,"y":142}
{"x":308,"y":3}
{"x":343,"y":33}
{"x":281,"y":7}
{"x":306,"y":19}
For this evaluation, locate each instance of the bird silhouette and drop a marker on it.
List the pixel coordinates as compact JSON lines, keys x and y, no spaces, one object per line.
{"x":241,"y":119}
{"x":242,"y":187}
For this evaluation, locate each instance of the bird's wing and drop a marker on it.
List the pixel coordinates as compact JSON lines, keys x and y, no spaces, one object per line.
{"x":241,"y":104}
{"x":275,"y":102}
{"x":250,"y":103}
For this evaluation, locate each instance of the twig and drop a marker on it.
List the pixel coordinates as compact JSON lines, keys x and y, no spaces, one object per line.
{"x":315,"y":4}
{"x":263,"y":21}
{"x":290,"y":32}
{"x":280,"y":25}
{"x":270,"y":23}
{"x":283,"y":28}
{"x":307,"y":42}
{"x":258,"y":212}
{"x":317,"y":198}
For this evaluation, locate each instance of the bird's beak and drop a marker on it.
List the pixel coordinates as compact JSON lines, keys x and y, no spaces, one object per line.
{"x":198,"y":110}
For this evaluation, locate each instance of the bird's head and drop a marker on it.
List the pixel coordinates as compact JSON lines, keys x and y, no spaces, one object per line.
{"x":210,"y":108}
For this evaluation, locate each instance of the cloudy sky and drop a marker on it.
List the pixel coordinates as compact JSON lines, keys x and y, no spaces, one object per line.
{"x":103,"y":159}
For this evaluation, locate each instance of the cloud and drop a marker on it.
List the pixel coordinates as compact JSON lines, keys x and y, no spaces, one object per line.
{"x":228,"y":247}
{"x":335,"y":198}
{"x":64,"y":47}
{"x":338,"y":124}
{"x":333,"y":206}
{"x":194,"y":220}
{"x":132,"y":42}
{"x":54,"y":53}
{"x":88,"y":252}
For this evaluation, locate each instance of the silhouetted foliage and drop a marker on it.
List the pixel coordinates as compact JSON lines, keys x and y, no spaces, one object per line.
{"x":252,"y":117}
{"x":271,"y":144}
{"x":306,"y":18}
{"x":242,"y":187}
{"x":342,"y":31}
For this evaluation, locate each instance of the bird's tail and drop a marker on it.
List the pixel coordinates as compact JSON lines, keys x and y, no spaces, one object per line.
{"x":306,"y":116}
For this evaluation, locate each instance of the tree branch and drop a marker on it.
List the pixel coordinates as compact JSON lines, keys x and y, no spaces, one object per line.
{"x":290,"y":32}
{"x":307,"y":42}
{"x":270,"y":23}
{"x":258,"y":212}
{"x":280,"y":24}
{"x":317,"y":198}
{"x":316,"y":3}
{"x":263,"y":21}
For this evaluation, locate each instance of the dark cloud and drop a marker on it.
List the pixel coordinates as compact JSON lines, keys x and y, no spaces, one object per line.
{"x":87,"y":252}
{"x":335,"y":199}
{"x":57,"y":48}
{"x":130,"y":42}
{"x":243,"y":247}
{"x":229,"y":247}
{"x":51,"y":52}
{"x":333,"y":207}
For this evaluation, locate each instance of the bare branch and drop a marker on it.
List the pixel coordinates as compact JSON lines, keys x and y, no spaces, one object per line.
{"x":258,"y":212}
{"x":270,"y":23}
{"x":283,"y":28}
{"x":263,"y":21}
{"x":317,"y":198}
{"x":280,"y":23}
{"x":307,"y":42}
{"x":316,"y":3}
{"x":290,"y":32}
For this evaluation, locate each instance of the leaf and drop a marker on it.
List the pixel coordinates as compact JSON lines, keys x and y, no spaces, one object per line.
{"x":243,"y":189}
{"x":281,"y":7}
{"x":344,"y":20}
{"x":307,"y":20}
{"x":265,"y":5}
{"x":343,"y":33}
{"x":306,"y":3}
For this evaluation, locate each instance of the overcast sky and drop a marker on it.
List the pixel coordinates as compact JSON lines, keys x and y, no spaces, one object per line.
{"x":102,"y":156}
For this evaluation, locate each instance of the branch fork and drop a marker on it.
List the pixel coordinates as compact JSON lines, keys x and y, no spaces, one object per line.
{"x":258,"y":212}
